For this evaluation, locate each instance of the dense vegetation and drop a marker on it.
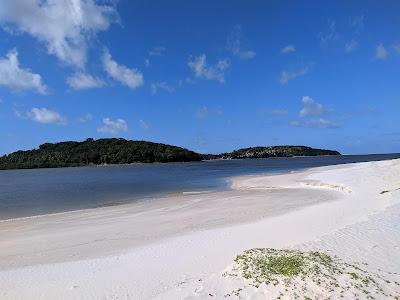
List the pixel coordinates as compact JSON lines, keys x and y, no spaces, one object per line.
{"x":275,"y":151}
{"x":121,"y":151}
{"x":96,"y":152}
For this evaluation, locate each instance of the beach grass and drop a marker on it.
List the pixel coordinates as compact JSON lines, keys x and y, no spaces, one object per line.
{"x":314,"y":274}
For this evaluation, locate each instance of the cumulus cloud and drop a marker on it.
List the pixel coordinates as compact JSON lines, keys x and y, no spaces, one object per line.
{"x":45,"y":116}
{"x":132,"y":78}
{"x":381,"y":52}
{"x":350,"y":46}
{"x":16,"y":78}
{"x":311,"y":108}
{"x":113,"y":126}
{"x":144,"y":125}
{"x":288,"y":49}
{"x":82,"y":81}
{"x":64,"y":26}
{"x":155,"y":86}
{"x":313,"y":115}
{"x":209,"y":72}
{"x":286,"y":76}
{"x":234,"y":44}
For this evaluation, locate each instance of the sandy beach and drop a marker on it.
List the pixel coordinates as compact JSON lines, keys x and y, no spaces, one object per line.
{"x":179,"y":247}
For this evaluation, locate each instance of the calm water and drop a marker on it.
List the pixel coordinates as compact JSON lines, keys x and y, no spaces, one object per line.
{"x":41,"y":191}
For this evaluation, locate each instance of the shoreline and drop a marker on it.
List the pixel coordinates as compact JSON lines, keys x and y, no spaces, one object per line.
{"x":153,"y":197}
{"x":196,"y":238}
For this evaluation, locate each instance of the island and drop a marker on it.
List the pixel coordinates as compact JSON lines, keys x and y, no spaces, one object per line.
{"x":112,"y":151}
{"x":275,"y":151}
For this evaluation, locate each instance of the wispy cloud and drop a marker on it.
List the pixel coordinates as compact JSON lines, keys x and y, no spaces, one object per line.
{"x":396,"y":47}
{"x":45,"y":116}
{"x":357,"y":23}
{"x":381,"y":52}
{"x":276,"y":112}
{"x":234,"y":44}
{"x":63,"y":26}
{"x":287,"y":75}
{"x":86,"y":118}
{"x":132,"y":78}
{"x":156,"y":86}
{"x":204,"y":112}
{"x":288,"y":49}
{"x":329,"y":36}
{"x":315,"y":123}
{"x":157,"y":51}
{"x":350,"y":46}
{"x":202,"y":70}
{"x":113,"y":126}
{"x":16,"y":78}
{"x":83,"y":81}
{"x":144,"y":125}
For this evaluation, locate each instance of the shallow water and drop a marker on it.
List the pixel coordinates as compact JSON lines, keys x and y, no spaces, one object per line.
{"x":41,"y":191}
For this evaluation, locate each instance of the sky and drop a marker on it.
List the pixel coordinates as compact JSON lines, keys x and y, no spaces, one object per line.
{"x":211,"y":76}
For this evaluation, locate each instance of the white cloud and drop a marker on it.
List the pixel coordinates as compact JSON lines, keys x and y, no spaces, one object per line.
{"x":16,"y":78}
{"x":234,"y":42}
{"x":312,"y":115}
{"x":350,"y":46}
{"x":331,"y":35}
{"x":357,"y":23}
{"x":286,"y":76}
{"x":64,"y":26}
{"x":144,"y":125}
{"x":213,"y":72}
{"x":157,"y":51}
{"x":202,"y":112}
{"x":132,"y":78}
{"x":311,"y":108}
{"x":396,"y":47}
{"x":321,"y":123}
{"x":86,"y":118}
{"x":113,"y":126}
{"x":381,"y":52}
{"x":82,"y":81}
{"x":288,"y":49}
{"x":45,"y":116}
{"x":315,"y":123}
{"x":277,"y":112}
{"x":155,"y":86}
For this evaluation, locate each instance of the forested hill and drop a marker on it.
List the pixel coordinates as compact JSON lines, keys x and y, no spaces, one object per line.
{"x":121,"y":151}
{"x":275,"y":151}
{"x":96,"y":152}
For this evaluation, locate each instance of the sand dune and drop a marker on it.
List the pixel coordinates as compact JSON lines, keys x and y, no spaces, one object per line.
{"x":179,"y":247}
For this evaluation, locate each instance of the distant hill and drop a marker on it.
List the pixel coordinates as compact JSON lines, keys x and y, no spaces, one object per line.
{"x":96,"y":152}
{"x":275,"y":151}
{"x":121,"y":151}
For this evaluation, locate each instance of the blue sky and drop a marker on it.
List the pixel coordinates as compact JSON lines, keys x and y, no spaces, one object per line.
{"x":211,"y":76}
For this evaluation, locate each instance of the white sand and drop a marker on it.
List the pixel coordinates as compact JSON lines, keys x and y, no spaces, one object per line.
{"x":178,"y":247}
